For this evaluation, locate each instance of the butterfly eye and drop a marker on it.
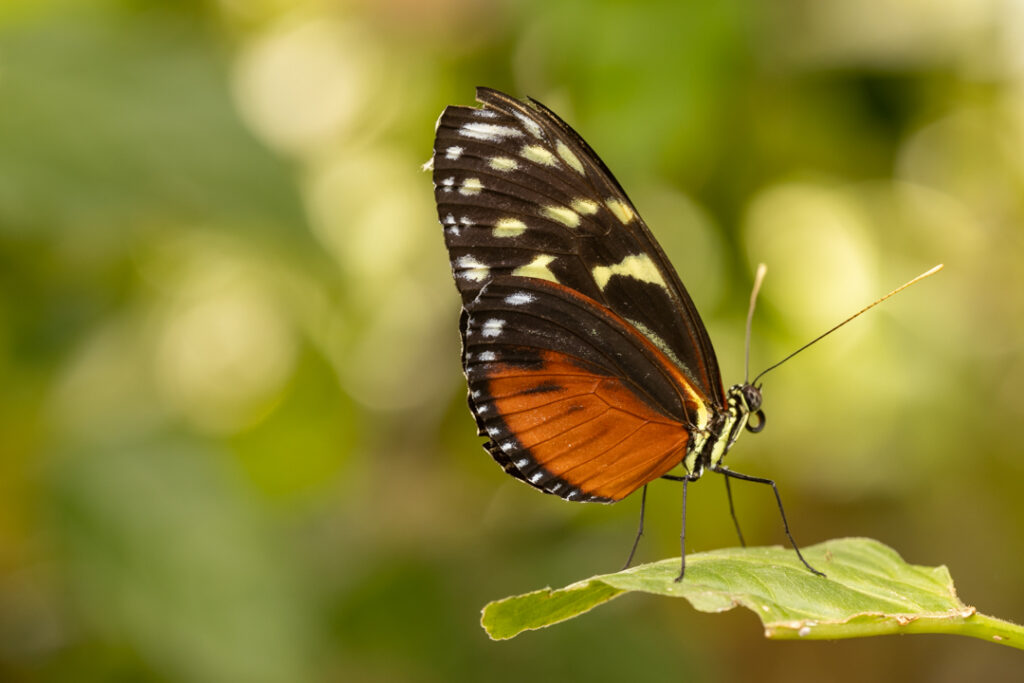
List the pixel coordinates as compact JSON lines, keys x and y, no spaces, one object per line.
{"x":752,"y":395}
{"x":755,"y":427}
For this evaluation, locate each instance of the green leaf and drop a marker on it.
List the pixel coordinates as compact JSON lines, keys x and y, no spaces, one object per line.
{"x":869,"y":590}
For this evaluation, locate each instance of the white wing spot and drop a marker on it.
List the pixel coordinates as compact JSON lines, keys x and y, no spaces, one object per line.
{"x":566,"y":217}
{"x":453,"y":229}
{"x":493,"y":432}
{"x":537,"y":268}
{"x":522,"y":463}
{"x":509,"y":227}
{"x":489,"y":131}
{"x":470,"y":186}
{"x":536,"y":476}
{"x":571,"y":495}
{"x":637,"y":266}
{"x":453,"y":152}
{"x":465,"y":220}
{"x":520,"y":298}
{"x":487,"y":356}
{"x":587,"y":207}
{"x":492,"y":328}
{"x":529,"y":124}
{"x":471,"y":269}
{"x":448,"y":184}
{"x":538,"y":155}
{"x":503,"y":164}
{"x":569,"y":158}
{"x":557,"y":487}
{"x":623,"y":211}
{"x":485,"y":113}
{"x":508,"y":446}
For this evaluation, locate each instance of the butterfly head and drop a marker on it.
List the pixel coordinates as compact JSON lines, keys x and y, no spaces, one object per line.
{"x":748,"y":400}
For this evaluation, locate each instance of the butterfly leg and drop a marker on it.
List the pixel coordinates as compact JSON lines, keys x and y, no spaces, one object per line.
{"x":639,"y":531}
{"x":732,"y":511}
{"x":682,"y":535}
{"x":785,"y":525}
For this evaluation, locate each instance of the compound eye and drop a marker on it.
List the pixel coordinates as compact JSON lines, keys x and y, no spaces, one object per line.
{"x":753,"y":396}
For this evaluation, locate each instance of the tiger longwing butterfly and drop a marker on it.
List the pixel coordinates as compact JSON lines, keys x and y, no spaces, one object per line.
{"x":589,"y":368}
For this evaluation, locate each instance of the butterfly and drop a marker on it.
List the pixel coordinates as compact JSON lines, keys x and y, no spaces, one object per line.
{"x":589,"y":369}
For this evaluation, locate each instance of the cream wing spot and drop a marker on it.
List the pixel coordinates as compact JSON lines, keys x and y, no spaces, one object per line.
{"x":587,"y":207}
{"x":509,"y":227}
{"x":566,"y":217}
{"x":492,"y":328}
{"x":529,"y":124}
{"x":489,"y":132}
{"x":623,"y":211}
{"x":637,"y":266}
{"x":470,"y":269}
{"x":470,"y":187}
{"x":520,"y":298}
{"x":503,"y":164}
{"x":569,"y":158}
{"x":538,"y":155}
{"x":538,"y":268}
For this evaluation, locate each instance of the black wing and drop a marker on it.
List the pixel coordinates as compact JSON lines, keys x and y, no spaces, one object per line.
{"x":521,"y":194}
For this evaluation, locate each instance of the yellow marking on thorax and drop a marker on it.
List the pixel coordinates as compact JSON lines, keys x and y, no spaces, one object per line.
{"x":722,"y":444}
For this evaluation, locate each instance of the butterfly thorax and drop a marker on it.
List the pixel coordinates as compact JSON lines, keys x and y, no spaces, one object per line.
{"x":709,"y":446}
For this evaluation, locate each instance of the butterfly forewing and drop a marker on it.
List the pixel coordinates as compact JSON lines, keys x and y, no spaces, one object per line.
{"x":520,"y":193}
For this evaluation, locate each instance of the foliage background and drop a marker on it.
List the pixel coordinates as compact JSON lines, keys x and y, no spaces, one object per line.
{"x":234,"y":438}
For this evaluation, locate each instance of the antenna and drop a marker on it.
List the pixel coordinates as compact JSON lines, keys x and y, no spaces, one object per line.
{"x":762,"y":270}
{"x":863,"y":310}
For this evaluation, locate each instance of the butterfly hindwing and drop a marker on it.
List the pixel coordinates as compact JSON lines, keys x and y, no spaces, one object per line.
{"x":575,"y":402}
{"x":519,"y":193}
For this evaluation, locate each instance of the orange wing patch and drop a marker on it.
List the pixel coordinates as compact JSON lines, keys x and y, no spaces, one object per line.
{"x":588,"y":430}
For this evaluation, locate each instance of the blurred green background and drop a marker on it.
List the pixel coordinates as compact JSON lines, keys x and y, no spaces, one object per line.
{"x":234,"y":444}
